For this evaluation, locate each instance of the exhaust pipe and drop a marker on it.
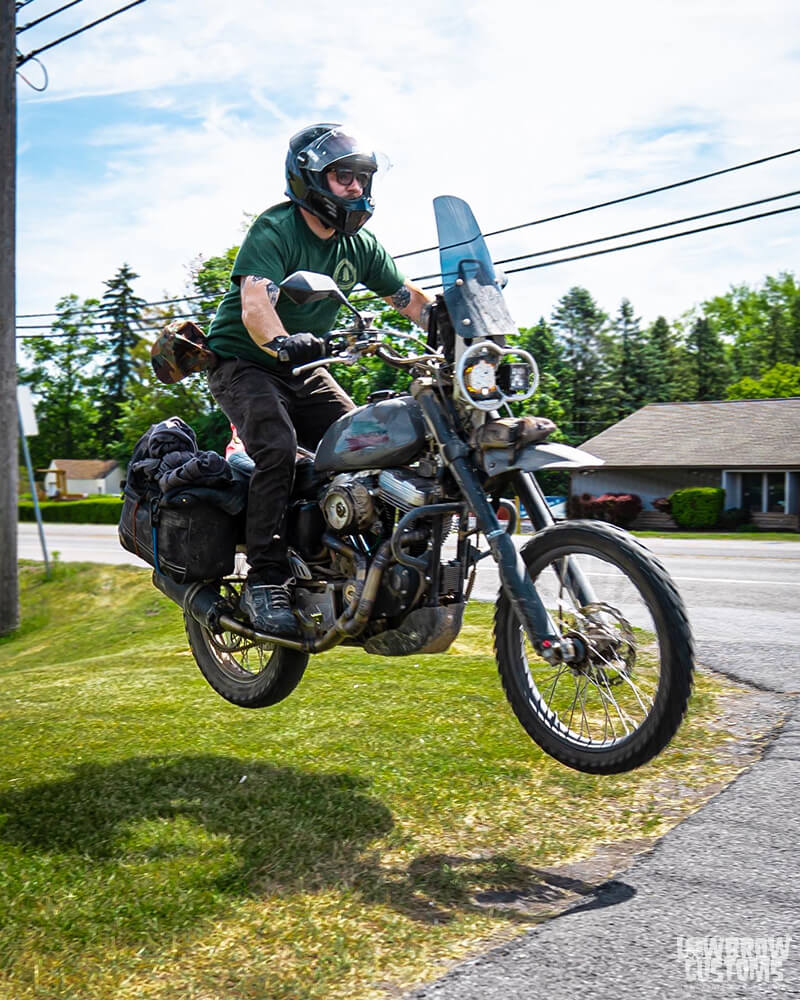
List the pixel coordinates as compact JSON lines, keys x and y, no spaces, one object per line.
{"x":205,"y":605}
{"x":199,"y":600}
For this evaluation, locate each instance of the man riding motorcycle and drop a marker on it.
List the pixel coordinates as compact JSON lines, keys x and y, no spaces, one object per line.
{"x":259,"y":338}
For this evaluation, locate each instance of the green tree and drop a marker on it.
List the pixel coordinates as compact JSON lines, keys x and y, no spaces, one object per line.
{"x":211,"y":278}
{"x":629,"y":356}
{"x":64,"y":376}
{"x":710,"y":368}
{"x":150,"y":401}
{"x":761,"y":324}
{"x":578,"y":322}
{"x":541,"y":343}
{"x":778,"y":382}
{"x":121,"y":310}
{"x":662,"y":361}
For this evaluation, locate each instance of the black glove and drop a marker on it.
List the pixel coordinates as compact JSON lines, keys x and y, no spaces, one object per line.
{"x":300,"y":348}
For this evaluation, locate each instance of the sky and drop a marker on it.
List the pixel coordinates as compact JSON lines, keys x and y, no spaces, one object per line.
{"x":162,"y":130}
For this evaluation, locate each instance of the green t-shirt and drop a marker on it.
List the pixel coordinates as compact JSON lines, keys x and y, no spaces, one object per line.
{"x":280,"y":242}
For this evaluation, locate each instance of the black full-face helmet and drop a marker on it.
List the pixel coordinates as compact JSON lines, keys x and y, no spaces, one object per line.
{"x":314,"y":151}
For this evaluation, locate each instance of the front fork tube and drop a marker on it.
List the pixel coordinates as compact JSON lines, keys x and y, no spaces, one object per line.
{"x":570,"y":574}
{"x":527,"y":605}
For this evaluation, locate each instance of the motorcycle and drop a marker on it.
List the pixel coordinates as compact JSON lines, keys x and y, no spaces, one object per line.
{"x":405,"y":496}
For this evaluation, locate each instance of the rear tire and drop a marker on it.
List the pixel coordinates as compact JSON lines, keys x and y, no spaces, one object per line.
{"x":245,"y":673}
{"x":622,"y":702}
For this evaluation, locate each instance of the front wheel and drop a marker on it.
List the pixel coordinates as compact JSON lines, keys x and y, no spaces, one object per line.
{"x":247,"y":674}
{"x":621,"y":698}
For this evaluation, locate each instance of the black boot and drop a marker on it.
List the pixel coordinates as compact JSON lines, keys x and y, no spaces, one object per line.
{"x":269,"y":609}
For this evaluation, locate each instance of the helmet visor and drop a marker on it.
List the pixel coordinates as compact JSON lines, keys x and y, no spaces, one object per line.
{"x":334,"y":146}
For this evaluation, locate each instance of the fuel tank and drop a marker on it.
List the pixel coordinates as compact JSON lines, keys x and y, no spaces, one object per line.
{"x":376,"y":436}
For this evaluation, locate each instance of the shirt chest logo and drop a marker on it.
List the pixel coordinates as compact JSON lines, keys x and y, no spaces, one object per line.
{"x":345,"y":275}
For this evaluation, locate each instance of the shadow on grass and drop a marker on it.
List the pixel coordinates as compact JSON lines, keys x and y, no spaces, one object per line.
{"x":165,"y":842}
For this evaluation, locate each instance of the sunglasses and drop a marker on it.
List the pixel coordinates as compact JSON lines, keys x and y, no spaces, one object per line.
{"x":346,"y":176}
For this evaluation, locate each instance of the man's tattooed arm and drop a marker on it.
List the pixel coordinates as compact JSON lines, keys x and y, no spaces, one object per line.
{"x":401,"y":298}
{"x":259,"y":296}
{"x":411,"y":302}
{"x":270,"y":287}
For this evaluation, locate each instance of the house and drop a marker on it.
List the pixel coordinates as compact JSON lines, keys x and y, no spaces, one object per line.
{"x":79,"y":476}
{"x":750,"y":447}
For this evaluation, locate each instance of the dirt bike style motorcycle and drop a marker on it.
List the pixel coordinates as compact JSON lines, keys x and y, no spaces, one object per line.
{"x":390,"y":517}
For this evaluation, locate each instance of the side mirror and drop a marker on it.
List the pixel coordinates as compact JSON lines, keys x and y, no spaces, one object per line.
{"x":306,"y":286}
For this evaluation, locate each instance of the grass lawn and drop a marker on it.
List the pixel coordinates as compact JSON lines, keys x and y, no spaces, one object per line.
{"x":156,"y":842}
{"x":730,"y":536}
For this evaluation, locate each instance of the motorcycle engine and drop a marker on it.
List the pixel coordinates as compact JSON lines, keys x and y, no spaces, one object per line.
{"x":405,"y":490}
{"x":354,"y":503}
{"x":348,"y":505}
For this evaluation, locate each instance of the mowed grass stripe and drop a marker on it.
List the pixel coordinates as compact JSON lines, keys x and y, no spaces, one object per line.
{"x":158,"y":842}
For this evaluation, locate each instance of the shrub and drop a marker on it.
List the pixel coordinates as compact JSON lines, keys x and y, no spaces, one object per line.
{"x":663,"y":504}
{"x":697,"y":506}
{"x":97,"y":510}
{"x":734,"y":518}
{"x":615,"y":508}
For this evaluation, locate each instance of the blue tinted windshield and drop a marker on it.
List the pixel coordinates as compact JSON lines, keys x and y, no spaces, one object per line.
{"x":471,"y":293}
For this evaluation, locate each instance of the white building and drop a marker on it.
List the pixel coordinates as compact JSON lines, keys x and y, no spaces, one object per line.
{"x":749,"y":447}
{"x":79,"y":476}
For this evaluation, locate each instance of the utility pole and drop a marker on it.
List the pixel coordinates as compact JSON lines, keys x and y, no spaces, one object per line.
{"x":9,"y":468}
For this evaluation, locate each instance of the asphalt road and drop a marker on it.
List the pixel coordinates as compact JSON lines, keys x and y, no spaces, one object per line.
{"x":743,"y":597}
{"x":678,"y":921}
{"x":675,"y":923}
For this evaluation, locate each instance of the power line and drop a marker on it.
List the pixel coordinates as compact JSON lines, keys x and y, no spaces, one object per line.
{"x":94,"y":310}
{"x":644,"y":229}
{"x":85,"y":326}
{"x":79,"y":31}
{"x":617,"y":201}
{"x":549,"y":263}
{"x":530,"y":267}
{"x":68,"y":333}
{"x":45,"y":79}
{"x":145,"y":305}
{"x":629,"y":232}
{"x":579,"y":211}
{"x":655,"y":239}
{"x":32,"y":24}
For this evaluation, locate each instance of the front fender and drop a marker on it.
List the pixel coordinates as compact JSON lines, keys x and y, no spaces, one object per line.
{"x":535,"y":457}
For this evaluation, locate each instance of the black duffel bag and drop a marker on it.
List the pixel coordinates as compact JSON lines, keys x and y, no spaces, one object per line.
{"x":189,"y":534}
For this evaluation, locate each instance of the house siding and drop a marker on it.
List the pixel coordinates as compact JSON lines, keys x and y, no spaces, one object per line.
{"x":649,"y":485}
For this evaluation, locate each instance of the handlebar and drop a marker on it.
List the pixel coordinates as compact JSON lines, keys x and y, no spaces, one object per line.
{"x":366,"y":342}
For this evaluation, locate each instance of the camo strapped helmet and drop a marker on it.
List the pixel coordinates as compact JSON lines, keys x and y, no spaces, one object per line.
{"x":180,"y":350}
{"x":312,"y":153}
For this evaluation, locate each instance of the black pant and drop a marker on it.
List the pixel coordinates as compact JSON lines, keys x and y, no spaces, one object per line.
{"x":272,"y":414}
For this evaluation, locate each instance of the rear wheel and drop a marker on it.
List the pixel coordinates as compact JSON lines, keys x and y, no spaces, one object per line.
{"x":248,"y":674}
{"x":621,"y":699}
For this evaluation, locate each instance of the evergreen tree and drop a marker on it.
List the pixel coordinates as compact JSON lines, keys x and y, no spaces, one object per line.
{"x":629,"y":354}
{"x":121,"y":310}
{"x":661,"y":359}
{"x":578,"y":322}
{"x":709,"y":365}
{"x":64,"y":377}
{"x":540,"y":342}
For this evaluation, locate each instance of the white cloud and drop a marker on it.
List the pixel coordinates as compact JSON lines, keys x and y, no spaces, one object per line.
{"x":179,"y":111}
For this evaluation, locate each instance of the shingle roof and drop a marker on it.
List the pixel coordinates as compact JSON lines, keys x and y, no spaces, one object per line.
{"x":758,"y":433}
{"x":85,"y":468}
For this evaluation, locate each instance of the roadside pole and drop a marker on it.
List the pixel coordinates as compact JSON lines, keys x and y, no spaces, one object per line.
{"x":28,"y":427}
{"x":9,"y":582}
